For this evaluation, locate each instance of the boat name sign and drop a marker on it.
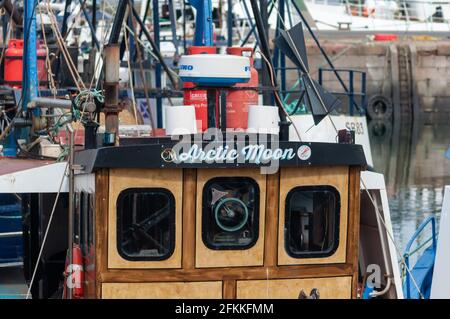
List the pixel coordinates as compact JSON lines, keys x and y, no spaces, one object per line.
{"x":251,"y":154}
{"x":215,"y":152}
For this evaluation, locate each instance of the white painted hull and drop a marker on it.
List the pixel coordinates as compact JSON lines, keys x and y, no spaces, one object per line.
{"x":325,"y":132}
{"x":328,"y":17}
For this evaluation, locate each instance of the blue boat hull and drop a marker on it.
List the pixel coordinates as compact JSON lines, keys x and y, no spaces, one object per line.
{"x":11,"y":248}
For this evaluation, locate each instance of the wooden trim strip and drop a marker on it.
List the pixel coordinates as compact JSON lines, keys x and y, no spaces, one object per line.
{"x":353,"y":224}
{"x":189,"y":202}
{"x":272,"y":207}
{"x":230,"y":273}
{"x":101,"y":231}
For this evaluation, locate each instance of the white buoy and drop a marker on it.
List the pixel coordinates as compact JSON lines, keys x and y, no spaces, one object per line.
{"x":180,"y":120}
{"x":263,"y":119}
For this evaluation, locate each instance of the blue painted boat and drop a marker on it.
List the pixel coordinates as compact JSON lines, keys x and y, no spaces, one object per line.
{"x":11,"y":245}
{"x":417,"y":283}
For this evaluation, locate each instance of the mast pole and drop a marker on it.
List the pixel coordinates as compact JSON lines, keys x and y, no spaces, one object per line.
{"x":29,"y":76}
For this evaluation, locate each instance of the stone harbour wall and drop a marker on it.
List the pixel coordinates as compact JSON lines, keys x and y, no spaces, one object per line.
{"x":424,"y":79}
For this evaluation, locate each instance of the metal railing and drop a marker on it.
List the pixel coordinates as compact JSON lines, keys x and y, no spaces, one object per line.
{"x":409,"y":11}
{"x":352,"y":94}
{"x":430,"y":220}
{"x":11,"y":234}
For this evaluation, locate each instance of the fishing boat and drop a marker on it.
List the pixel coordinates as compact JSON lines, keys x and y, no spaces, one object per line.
{"x":380,"y":15}
{"x":234,"y":198}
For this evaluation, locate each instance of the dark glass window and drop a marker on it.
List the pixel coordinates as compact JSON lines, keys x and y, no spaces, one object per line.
{"x":312,"y":221}
{"x":86,"y":223}
{"x":230,"y":213}
{"x":146,"y":224}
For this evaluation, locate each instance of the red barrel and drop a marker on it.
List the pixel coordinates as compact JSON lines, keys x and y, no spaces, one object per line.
{"x":14,"y":63}
{"x":239,"y":100}
{"x":198,"y":98}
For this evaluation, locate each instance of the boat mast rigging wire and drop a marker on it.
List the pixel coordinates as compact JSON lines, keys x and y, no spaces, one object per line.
{"x":297,"y":54}
{"x":379,"y":216}
{"x":68,"y":167}
{"x":278,"y":97}
{"x":75,"y":75}
{"x":391,"y":237}
{"x":130,"y":76}
{"x":141,"y":70}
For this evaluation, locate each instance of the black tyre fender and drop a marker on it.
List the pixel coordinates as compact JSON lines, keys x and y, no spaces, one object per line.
{"x":379,"y":107}
{"x":380,"y":130}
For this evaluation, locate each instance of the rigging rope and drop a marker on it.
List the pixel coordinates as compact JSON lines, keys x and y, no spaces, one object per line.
{"x":70,"y":64}
{"x":272,"y":79}
{"x":130,"y":75}
{"x":46,"y":232}
{"x":77,"y":79}
{"x":94,"y":93}
{"x":298,"y":56}
{"x":362,"y":180}
{"x":141,"y":70}
{"x":390,"y":236}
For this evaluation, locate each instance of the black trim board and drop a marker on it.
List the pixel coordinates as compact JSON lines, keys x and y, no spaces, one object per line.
{"x":150,"y":156}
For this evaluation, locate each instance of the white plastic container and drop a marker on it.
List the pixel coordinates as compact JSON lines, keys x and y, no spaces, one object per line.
{"x":263,"y":119}
{"x":180,"y":120}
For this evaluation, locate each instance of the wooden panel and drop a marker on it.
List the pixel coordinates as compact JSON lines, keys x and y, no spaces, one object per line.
{"x":253,"y":256}
{"x":101,"y":220}
{"x":120,"y":179}
{"x":353,"y":224}
{"x":333,"y":176}
{"x":173,"y":290}
{"x":328,"y":288}
{"x":272,"y":202}
{"x":189,"y":187}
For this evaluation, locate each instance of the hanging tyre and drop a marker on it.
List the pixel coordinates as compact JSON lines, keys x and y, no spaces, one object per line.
{"x":380,"y":130}
{"x":379,"y":107}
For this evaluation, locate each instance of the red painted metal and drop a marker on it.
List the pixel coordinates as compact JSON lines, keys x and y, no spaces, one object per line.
{"x":238,"y":101}
{"x":198,"y":98}
{"x":14,"y":63}
{"x":385,"y":37}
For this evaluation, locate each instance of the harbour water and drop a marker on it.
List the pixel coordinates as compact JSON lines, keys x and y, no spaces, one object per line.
{"x":412,"y":158}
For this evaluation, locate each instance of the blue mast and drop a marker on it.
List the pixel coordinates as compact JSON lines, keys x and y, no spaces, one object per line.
{"x":29,"y":75}
{"x":203,"y":23}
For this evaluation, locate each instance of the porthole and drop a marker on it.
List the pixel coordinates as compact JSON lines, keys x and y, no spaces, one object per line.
{"x":230,"y":213}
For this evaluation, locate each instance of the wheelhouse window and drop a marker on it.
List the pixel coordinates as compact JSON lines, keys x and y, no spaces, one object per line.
{"x":312,"y":221}
{"x":146,"y":224}
{"x":230,"y":213}
{"x":84,"y":221}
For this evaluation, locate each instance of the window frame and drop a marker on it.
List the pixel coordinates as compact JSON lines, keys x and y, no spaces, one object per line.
{"x":256,"y":213}
{"x":337,"y":216}
{"x":172,"y":222}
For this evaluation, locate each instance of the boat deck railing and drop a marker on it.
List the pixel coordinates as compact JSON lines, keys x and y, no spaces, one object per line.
{"x":353,"y":94}
{"x":408,"y":11}
{"x":425,"y":265}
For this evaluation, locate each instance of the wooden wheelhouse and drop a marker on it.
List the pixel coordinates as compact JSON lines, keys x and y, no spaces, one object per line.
{"x":170,"y":228}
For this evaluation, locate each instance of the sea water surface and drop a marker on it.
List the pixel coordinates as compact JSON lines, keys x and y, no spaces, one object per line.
{"x":413,"y":159}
